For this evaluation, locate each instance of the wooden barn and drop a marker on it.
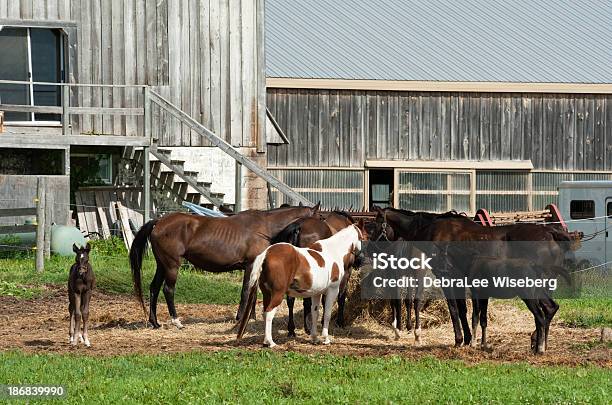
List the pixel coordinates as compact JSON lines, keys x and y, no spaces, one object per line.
{"x":87,"y":86}
{"x":242,"y":104}
{"x":439,"y":105}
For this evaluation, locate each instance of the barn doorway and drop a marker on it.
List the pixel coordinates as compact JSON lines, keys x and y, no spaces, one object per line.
{"x":381,"y":187}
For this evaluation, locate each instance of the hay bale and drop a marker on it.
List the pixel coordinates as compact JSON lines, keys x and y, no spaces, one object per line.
{"x":356,"y":310}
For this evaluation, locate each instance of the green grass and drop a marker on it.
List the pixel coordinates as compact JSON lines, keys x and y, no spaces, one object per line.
{"x":19,"y":278}
{"x":586,"y":312}
{"x":264,"y":377}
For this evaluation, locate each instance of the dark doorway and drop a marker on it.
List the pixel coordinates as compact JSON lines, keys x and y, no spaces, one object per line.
{"x":381,"y":187}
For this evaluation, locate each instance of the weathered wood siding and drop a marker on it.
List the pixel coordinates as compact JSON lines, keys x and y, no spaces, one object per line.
{"x":205,"y":53}
{"x":19,"y":191}
{"x":332,"y":128}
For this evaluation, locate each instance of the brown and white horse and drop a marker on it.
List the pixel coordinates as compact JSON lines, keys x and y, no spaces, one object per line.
{"x":320,"y":269}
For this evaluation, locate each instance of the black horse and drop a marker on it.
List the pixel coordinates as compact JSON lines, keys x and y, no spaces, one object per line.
{"x":452,"y":227}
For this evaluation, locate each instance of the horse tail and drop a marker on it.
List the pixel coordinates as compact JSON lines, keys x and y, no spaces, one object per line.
{"x":253,"y":281}
{"x":136,"y":256}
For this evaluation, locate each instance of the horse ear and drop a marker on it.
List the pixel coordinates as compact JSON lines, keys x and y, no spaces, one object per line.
{"x":75,"y":248}
{"x":315,"y":209}
{"x":376,"y":208}
{"x":300,"y":204}
{"x":88,"y":247}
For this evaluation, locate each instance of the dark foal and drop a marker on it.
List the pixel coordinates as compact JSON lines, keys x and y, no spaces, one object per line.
{"x":81,"y":282}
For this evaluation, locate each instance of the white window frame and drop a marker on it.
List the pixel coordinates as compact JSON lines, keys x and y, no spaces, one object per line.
{"x":32,"y":121}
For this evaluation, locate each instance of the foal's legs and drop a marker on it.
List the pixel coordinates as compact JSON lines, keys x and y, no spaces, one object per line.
{"x":85,"y":313}
{"x":290,"y":323}
{"x":169,"y":288}
{"x":314,"y":316}
{"x":72,"y":318}
{"x":330,"y":297}
{"x":77,"y":319}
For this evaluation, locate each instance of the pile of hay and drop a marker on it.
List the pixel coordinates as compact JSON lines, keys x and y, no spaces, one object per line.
{"x":357,"y":309}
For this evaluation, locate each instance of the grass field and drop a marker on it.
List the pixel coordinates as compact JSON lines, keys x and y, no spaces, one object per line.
{"x":264,"y":377}
{"x":19,"y":278}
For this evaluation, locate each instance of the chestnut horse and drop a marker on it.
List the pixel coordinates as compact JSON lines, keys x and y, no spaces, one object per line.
{"x":210,"y":243}
{"x":303,"y":233}
{"x":303,"y":272}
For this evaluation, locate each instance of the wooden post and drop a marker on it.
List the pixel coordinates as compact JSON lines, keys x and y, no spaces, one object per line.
{"x":48,"y":222}
{"x":40,"y":224}
{"x":146,"y":188}
{"x":238,"y":185}
{"x":147,"y":113}
{"x":1,"y":121}
{"x":65,"y":107}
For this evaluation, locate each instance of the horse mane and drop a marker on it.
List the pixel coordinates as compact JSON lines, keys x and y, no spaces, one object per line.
{"x":346,"y":215}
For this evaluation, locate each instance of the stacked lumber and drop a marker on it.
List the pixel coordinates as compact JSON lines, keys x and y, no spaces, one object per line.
{"x":506,"y":218}
{"x":108,"y":211}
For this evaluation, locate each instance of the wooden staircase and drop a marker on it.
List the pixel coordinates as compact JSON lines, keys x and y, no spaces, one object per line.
{"x":169,"y":177}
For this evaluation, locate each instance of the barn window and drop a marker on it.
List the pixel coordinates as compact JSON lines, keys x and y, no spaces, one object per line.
{"x":437,"y":191}
{"x":30,"y":55}
{"x":502,"y":190}
{"x":582,"y":209}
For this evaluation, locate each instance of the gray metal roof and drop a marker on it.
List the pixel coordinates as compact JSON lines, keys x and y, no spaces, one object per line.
{"x":548,"y":41}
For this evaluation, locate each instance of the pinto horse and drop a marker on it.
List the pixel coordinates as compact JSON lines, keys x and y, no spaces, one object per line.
{"x":303,"y":272}
{"x":303,"y":233}
{"x":213,"y":244}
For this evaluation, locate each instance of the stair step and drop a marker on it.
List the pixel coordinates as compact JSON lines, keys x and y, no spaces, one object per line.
{"x":194,"y":198}
{"x":180,"y":189}
{"x":155,"y":166}
{"x":165,"y":152}
{"x":178,"y":163}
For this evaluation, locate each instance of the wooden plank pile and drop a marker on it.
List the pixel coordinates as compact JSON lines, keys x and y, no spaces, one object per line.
{"x":110,"y":211}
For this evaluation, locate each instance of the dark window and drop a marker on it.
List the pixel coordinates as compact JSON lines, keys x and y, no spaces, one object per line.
{"x":609,"y":209}
{"x":31,"y":55}
{"x":582,"y":209}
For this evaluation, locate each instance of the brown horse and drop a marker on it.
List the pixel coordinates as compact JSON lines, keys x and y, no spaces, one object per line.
{"x":452,"y":227}
{"x":303,"y":233}
{"x":213,"y":244}
{"x":304,"y":272}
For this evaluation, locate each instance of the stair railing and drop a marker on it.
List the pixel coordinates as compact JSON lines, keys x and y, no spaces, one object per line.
{"x":152,"y":97}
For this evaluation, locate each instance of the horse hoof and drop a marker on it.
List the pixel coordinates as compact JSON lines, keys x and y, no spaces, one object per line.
{"x":87,"y":343}
{"x":473,"y":343}
{"x":269,"y":345}
{"x":397,"y":334}
{"x":291,"y":334}
{"x":315,"y":341}
{"x":327,"y":341}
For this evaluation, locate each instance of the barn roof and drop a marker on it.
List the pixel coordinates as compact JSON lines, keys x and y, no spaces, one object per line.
{"x":553,"y":41}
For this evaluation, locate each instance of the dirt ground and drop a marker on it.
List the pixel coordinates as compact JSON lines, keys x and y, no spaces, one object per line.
{"x":118,"y":328}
